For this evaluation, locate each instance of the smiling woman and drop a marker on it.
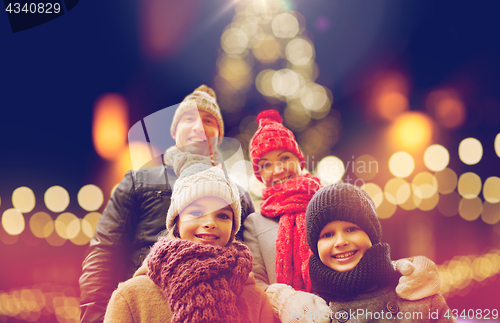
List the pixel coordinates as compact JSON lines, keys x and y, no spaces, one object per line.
{"x":278,"y":166}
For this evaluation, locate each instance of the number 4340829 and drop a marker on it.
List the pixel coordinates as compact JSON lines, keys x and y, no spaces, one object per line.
{"x":473,"y":314}
{"x":34,"y":8}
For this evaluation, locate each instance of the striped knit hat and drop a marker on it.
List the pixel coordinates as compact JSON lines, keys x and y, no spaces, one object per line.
{"x":198,"y":181}
{"x":272,"y":135}
{"x":203,"y":99}
{"x":341,"y":202}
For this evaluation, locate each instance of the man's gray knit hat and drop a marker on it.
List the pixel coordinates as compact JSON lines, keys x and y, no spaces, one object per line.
{"x":341,"y":202}
{"x":201,"y":180}
{"x":203,"y":99}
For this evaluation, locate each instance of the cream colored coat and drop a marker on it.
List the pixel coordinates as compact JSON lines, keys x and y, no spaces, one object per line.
{"x":139,"y":299}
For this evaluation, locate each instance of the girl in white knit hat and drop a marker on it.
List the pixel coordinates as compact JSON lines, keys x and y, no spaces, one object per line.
{"x":199,"y":273}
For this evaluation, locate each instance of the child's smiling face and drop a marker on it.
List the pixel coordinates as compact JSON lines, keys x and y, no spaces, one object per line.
{"x":278,"y":166}
{"x":208,"y":220}
{"x":341,"y":245}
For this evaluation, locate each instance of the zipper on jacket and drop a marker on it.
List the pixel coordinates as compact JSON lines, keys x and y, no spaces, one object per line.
{"x":159,"y":194}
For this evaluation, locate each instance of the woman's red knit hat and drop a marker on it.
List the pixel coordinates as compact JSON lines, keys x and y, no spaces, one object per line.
{"x":272,"y":135}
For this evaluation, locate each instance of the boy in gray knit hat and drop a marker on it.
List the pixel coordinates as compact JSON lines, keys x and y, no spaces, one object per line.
{"x":351,"y":269}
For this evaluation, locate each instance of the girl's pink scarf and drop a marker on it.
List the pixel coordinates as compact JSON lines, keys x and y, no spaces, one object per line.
{"x":201,"y":282}
{"x":289,"y":202}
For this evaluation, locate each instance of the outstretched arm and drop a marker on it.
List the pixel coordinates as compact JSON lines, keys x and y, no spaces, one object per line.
{"x":420,"y":278}
{"x":297,"y":306}
{"x":103,"y":267}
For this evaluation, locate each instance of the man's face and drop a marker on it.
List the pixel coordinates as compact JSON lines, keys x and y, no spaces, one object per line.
{"x":193,"y":129}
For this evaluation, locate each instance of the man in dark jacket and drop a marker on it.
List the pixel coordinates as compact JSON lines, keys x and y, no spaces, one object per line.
{"x":136,"y":212}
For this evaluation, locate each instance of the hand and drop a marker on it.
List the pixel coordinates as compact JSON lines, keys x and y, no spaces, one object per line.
{"x":297,"y":306}
{"x":420,"y":278}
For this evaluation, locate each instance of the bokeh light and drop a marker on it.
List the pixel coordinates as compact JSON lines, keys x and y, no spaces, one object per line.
{"x":89,"y":223}
{"x":470,"y":209}
{"x":285,"y":25}
{"x":412,"y":202}
{"x":299,"y":51}
{"x":436,"y":158}
{"x":23,"y":199}
{"x":315,"y":98}
{"x":490,"y":213}
{"x":497,"y":145}
{"x":286,"y":82}
{"x":240,"y":172}
{"x":411,"y":131}
{"x":375,"y":193}
{"x":295,"y":118}
{"x":428,"y":203}
{"x":470,"y":151}
{"x":67,"y":225}
{"x":389,"y":98}
{"x":469,"y":185}
{"x":234,"y":41}
{"x":90,"y":197}
{"x":236,"y":71}
{"x":424,"y":185}
{"x":266,"y":49}
{"x":55,"y":240}
{"x":386,"y":209}
{"x":140,"y":154}
{"x":391,"y":104}
{"x":448,"y":204}
{"x":256,"y":188}
{"x":447,"y":180}
{"x":264,"y":82}
{"x":330,"y":170}
{"x":447,"y":107}
{"x":80,"y":238}
{"x":41,"y":225}
{"x":366,"y":167}
{"x":491,"y":189}
{"x":13,"y":221}
{"x":56,"y":199}
{"x":397,"y":191}
{"x":401,"y":164}
{"x":110,"y":125}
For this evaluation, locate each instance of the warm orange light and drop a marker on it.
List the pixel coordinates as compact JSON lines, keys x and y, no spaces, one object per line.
{"x":391,"y":104}
{"x":447,"y":108}
{"x":110,"y":125}
{"x":389,"y":98}
{"x":411,"y":131}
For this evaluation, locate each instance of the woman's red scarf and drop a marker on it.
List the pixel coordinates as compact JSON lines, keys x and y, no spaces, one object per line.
{"x":289,"y":202}
{"x":202,"y":283}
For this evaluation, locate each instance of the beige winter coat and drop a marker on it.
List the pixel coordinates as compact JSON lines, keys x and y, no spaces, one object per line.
{"x":139,"y":299}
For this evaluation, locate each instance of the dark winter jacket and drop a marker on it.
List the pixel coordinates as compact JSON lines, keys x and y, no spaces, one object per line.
{"x":384,"y":305}
{"x":130,"y":224}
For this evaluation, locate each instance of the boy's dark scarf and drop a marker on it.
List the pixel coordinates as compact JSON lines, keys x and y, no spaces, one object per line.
{"x":289,"y":202}
{"x":373,"y":270}
{"x":202,"y":283}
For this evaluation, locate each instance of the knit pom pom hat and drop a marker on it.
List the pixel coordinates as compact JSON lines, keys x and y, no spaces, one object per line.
{"x":341,"y":202}
{"x":203,"y":99}
{"x":272,"y":135}
{"x":198,"y":181}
